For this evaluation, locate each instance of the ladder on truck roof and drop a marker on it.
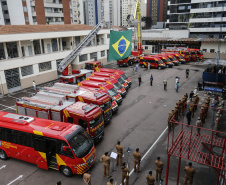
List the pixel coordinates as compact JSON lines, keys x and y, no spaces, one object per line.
{"x":66,"y":61}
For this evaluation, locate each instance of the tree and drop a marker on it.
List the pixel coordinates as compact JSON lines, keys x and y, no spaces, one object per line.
{"x":147,"y":20}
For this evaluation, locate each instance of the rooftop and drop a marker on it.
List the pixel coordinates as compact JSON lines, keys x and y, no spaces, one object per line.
{"x":14,"y":29}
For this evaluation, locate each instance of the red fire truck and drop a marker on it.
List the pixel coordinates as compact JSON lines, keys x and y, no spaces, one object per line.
{"x":184,"y":53}
{"x":46,"y":143}
{"x":121,"y":90}
{"x":114,"y":76}
{"x":154,"y":62}
{"x":172,"y":58}
{"x":93,"y":65}
{"x":75,"y":93}
{"x":178,"y":56}
{"x":199,"y":54}
{"x":118,"y":72}
{"x":165,"y":59}
{"x":105,"y":86}
{"x":56,"y":107}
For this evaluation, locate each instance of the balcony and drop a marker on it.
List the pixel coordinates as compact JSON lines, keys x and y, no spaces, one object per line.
{"x":212,"y":19}
{"x":214,"y":9}
{"x":47,"y":14}
{"x":217,"y":30}
{"x":53,"y":5}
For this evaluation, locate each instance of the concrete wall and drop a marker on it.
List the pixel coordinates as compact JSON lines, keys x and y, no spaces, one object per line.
{"x":16,"y":12}
{"x":211,"y":45}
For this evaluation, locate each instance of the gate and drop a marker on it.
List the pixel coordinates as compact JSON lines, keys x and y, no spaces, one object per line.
{"x":12,"y":77}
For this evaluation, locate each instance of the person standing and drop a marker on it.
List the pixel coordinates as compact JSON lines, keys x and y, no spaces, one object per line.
{"x":151,"y":79}
{"x":165,"y":85}
{"x":87,"y":178}
{"x":34,"y":85}
{"x":198,"y":124}
{"x":187,"y":73}
{"x":120,"y":153}
{"x":159,"y":168}
{"x":191,"y":95}
{"x":177,"y":86}
{"x":188,"y":116}
{"x":150,"y":179}
{"x":106,"y":162}
{"x":136,"y":68}
{"x":111,"y":182}
{"x":125,"y":174}
{"x":195,"y":91}
{"x":137,"y":159}
{"x":189,"y":173}
{"x":139,"y":80}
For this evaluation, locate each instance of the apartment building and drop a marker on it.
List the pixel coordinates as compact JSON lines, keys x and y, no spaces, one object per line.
{"x":31,"y":12}
{"x":33,"y":52}
{"x":157,"y":10}
{"x":89,"y":12}
{"x":204,"y":18}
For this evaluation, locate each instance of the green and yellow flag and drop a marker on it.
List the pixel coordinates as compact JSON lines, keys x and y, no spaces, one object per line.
{"x":120,"y":45}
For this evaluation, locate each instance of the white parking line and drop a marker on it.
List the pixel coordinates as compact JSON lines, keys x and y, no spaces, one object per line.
{"x":15,"y":179}
{"x":8,"y":107}
{"x":150,"y":149}
{"x":2,"y":167}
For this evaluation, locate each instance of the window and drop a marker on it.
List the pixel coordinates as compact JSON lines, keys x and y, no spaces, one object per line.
{"x":83,"y":58}
{"x":102,"y":40}
{"x":146,"y":47}
{"x":44,"y":66}
{"x":61,"y":151}
{"x":26,"y":19}
{"x":108,"y":36}
{"x":204,"y":50}
{"x":102,"y":53}
{"x":4,"y":3}
{"x":93,"y":55}
{"x":30,"y":50}
{"x":27,"y":70}
{"x":6,"y":12}
{"x":25,"y":8}
{"x":212,"y":50}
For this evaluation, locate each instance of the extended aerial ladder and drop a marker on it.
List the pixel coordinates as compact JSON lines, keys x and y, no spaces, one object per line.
{"x":66,"y":62}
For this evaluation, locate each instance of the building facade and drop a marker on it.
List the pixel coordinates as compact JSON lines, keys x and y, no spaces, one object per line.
{"x":157,"y":10}
{"x":24,"y":12}
{"x":89,"y":12}
{"x":204,"y":19}
{"x":34,"y":52}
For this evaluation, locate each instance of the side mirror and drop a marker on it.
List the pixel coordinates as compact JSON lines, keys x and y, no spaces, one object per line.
{"x":65,"y":148}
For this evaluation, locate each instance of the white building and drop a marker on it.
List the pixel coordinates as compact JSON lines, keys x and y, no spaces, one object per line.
{"x":24,"y":12}
{"x":204,"y":18}
{"x":33,"y":52}
{"x":112,"y":12}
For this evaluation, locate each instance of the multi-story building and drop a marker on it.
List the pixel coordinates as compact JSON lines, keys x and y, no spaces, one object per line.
{"x":24,"y":12}
{"x":33,"y":52}
{"x":112,"y":14}
{"x":89,"y":12}
{"x":204,"y":18}
{"x":157,"y":10}
{"x":99,"y":10}
{"x":77,"y":12}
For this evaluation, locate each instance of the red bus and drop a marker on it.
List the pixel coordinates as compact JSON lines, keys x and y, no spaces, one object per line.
{"x":46,"y":143}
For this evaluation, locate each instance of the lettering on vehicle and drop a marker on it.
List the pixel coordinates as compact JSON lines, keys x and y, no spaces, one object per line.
{"x":97,"y":126}
{"x":107,"y":110}
{"x":8,"y":145}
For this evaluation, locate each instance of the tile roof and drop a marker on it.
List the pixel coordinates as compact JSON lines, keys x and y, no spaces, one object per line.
{"x":14,"y":29}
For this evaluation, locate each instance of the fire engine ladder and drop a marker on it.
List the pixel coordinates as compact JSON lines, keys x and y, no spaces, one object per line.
{"x":66,"y":61}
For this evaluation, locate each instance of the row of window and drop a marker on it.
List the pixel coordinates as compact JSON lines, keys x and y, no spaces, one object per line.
{"x":40,"y":143}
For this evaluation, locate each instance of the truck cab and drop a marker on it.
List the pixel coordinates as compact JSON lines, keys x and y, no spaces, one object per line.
{"x":121,"y":90}
{"x":114,"y":76}
{"x":105,"y":86}
{"x":166,"y":60}
{"x":172,"y":58}
{"x":93,"y":65}
{"x":154,"y":62}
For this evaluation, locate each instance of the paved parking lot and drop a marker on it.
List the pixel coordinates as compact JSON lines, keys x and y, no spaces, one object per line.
{"x":141,"y":122}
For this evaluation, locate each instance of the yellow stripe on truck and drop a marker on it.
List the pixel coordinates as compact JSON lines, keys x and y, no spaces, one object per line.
{"x":38,"y":133}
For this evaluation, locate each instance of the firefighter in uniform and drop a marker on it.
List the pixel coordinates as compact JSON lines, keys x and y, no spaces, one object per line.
{"x":150,"y":179}
{"x":125,"y":174}
{"x":87,"y":178}
{"x":192,"y":111}
{"x":137,"y":159}
{"x":176,"y":112}
{"x":159,"y":168}
{"x":111,"y":182}
{"x":189,"y":173}
{"x":106,"y":162}
{"x":198,"y":124}
{"x":120,"y":153}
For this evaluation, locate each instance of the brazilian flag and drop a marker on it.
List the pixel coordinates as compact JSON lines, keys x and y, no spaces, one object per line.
{"x":120,"y":45}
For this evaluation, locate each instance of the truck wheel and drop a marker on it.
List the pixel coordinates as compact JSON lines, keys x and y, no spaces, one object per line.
{"x":3,"y":155}
{"x":66,"y":171}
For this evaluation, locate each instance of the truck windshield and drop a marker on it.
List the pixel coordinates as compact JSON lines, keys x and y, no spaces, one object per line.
{"x":160,"y":61}
{"x":96,"y":121}
{"x":118,"y":86}
{"x":120,"y":80}
{"x":112,"y":92}
{"x":124,"y":76}
{"x":107,"y":105}
{"x":174,"y":59}
{"x":81,"y":144}
{"x":168,"y":59}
